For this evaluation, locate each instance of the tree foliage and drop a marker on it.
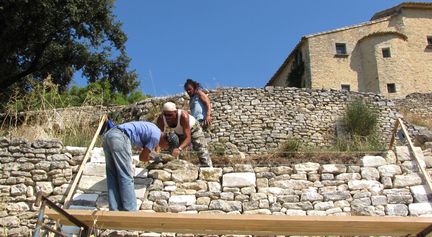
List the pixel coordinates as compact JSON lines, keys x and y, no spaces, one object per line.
{"x":39,"y":38}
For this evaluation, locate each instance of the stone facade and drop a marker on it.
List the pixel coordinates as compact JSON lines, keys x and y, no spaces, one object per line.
{"x":388,"y":185}
{"x":402,"y":32}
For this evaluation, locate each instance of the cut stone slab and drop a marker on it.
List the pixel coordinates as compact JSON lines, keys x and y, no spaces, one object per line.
{"x":238,"y":180}
{"x":402,"y":153}
{"x":93,"y":183}
{"x":94,"y":169}
{"x":182,"y":200}
{"x":85,"y":199}
{"x":418,"y":209}
{"x":421,"y":193}
{"x":373,"y":161}
{"x":97,"y":155}
{"x":407,"y":180}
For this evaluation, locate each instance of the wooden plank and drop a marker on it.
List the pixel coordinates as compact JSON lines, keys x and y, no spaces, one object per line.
{"x":249,"y":224}
{"x":84,"y":161}
{"x":411,"y":148}
{"x":393,"y":134}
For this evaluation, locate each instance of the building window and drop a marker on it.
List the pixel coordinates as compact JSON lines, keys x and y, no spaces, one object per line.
{"x":345,"y":87}
{"x":429,"y":40}
{"x":391,"y":88}
{"x":341,"y":49}
{"x":386,"y":53}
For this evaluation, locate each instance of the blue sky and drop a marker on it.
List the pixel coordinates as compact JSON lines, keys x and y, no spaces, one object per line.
{"x":225,"y":43}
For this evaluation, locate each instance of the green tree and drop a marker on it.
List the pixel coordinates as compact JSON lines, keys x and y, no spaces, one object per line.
{"x":39,"y":38}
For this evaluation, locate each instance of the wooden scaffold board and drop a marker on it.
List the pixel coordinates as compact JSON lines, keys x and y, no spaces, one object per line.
{"x":251,"y":224}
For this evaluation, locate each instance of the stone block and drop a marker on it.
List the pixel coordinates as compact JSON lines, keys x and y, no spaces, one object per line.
{"x":160,"y":174}
{"x":412,"y":179}
{"x":373,"y":186}
{"x":348,"y":176}
{"x":184,"y":175}
{"x":419,"y":209}
{"x":373,"y":161}
{"x":389,"y":170}
{"x":306,"y":167}
{"x":396,"y":210}
{"x":93,"y":183}
{"x":97,"y":155}
{"x":311,"y":195}
{"x":370,"y":173}
{"x":226,"y":206}
{"x":16,"y":190}
{"x":46,"y":187}
{"x":94,"y":169}
{"x":83,"y":199}
{"x":182,"y":200}
{"x":402,"y":153}
{"x":238,"y":179}
{"x":421,"y":193}
{"x":333,"y":168}
{"x":210,"y":174}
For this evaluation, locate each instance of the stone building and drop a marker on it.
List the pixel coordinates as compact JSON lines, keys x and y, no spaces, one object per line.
{"x":390,"y":55}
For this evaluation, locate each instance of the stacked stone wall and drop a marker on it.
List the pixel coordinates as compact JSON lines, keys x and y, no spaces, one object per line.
{"x":259,"y":120}
{"x":378,"y":185}
{"x":29,"y":167}
{"x":416,"y":103}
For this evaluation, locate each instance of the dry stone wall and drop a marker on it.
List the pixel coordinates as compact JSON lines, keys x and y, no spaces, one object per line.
{"x":378,"y":185}
{"x":28,"y":167}
{"x":258,"y":120}
{"x":416,"y":103}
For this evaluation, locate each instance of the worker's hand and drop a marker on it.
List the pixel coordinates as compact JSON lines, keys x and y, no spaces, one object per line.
{"x":176,"y":152}
{"x":208,"y":120}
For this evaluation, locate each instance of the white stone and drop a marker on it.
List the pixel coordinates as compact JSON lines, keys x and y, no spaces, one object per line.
{"x":97,"y":155}
{"x":373,"y":161}
{"x":333,"y":168}
{"x":373,"y":186}
{"x":402,"y":153}
{"x":418,"y":209}
{"x":238,"y":179}
{"x":307,"y":167}
{"x":95,"y":169}
{"x":295,"y":213}
{"x":421,"y":193}
{"x":182,"y":200}
{"x":141,"y":173}
{"x":93,"y":183}
{"x":407,"y":180}
{"x":46,"y":187}
{"x":389,"y":170}
{"x":214,"y":186}
{"x":75,"y":150}
{"x":85,"y":197}
{"x":77,"y":207}
{"x":140,"y":190}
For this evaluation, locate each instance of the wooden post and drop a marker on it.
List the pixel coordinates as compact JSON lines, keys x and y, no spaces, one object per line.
{"x":84,"y":161}
{"x":411,"y":148}
{"x":394,"y":134}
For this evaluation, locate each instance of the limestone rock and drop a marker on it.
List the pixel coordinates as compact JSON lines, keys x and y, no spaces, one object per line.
{"x":373,"y":161}
{"x":238,"y":179}
{"x":210,"y":174}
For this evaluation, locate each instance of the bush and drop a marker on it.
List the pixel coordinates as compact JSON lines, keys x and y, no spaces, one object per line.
{"x":289,"y":148}
{"x":360,"y":119}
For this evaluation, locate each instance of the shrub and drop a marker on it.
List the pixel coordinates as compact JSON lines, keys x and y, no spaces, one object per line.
{"x":289,"y":148}
{"x":360,"y":119}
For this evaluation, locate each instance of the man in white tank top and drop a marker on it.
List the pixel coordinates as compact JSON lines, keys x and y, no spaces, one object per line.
{"x":188,"y":130}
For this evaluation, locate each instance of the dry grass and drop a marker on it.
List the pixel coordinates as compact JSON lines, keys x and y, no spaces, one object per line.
{"x":417,"y":119}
